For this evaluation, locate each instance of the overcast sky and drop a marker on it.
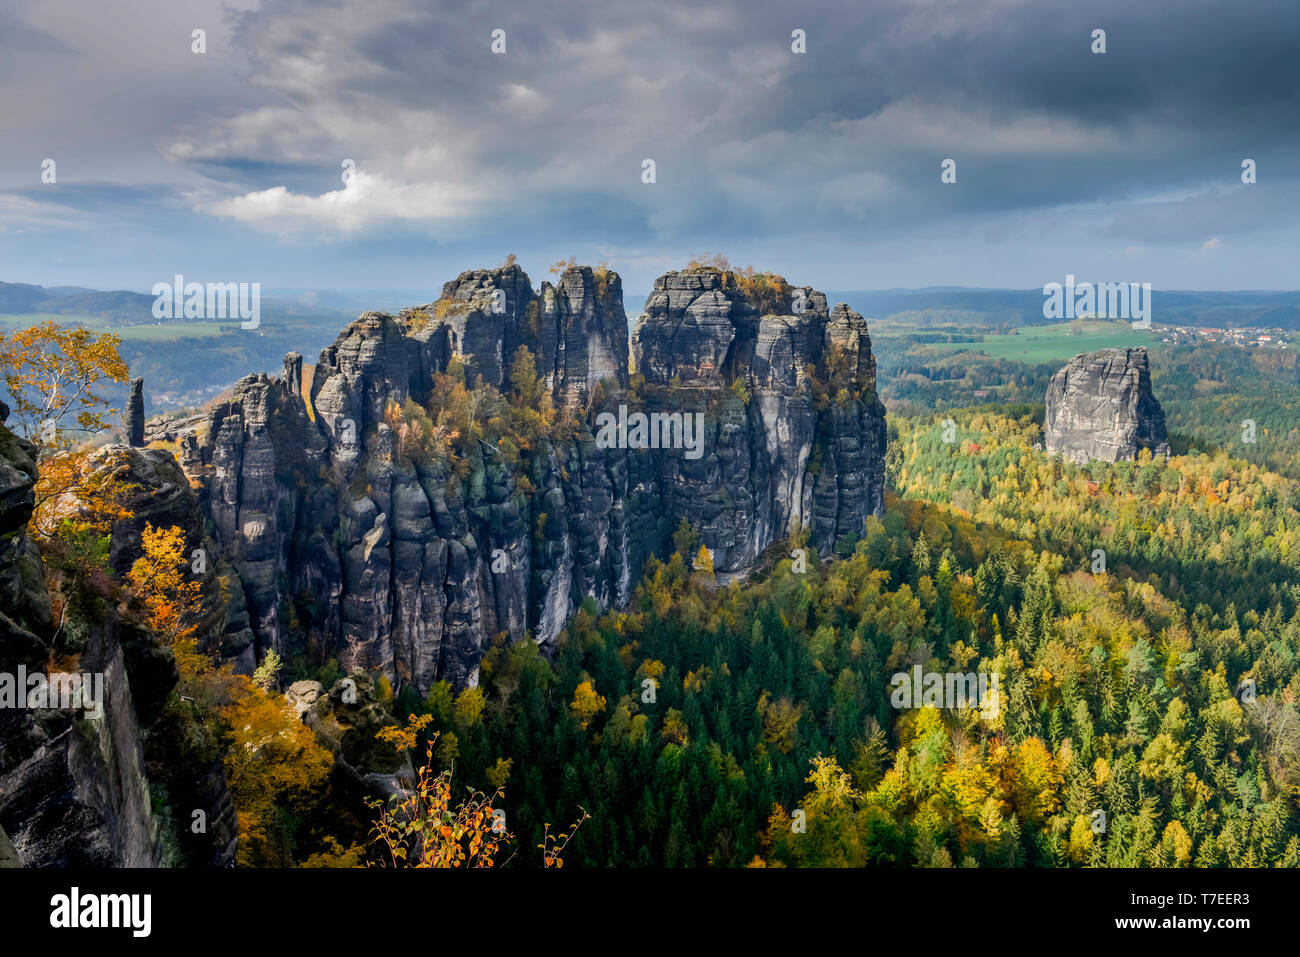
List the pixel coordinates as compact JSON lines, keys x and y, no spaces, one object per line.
{"x":823,"y":166}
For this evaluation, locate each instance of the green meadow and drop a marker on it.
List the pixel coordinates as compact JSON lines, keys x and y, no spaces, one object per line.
{"x":161,"y":332}
{"x":1058,"y":342}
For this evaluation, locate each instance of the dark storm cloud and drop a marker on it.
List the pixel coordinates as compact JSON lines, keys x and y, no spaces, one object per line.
{"x":740,"y":126}
{"x":1143,"y":143}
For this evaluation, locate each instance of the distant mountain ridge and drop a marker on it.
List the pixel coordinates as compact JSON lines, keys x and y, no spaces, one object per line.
{"x":930,"y":305}
{"x":126,"y":307}
{"x":17,"y":298}
{"x":938,"y":305}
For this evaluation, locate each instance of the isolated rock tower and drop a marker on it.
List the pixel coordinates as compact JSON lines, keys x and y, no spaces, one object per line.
{"x":293,"y":373}
{"x":1100,"y":406}
{"x":135,"y":414}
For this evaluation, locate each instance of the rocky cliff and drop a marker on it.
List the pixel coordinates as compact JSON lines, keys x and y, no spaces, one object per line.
{"x":1100,"y":406}
{"x":798,"y":436}
{"x":76,"y":786}
{"x":349,"y":545}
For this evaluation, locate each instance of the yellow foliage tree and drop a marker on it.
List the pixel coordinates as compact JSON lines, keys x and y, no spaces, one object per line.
{"x":586,"y":703}
{"x":1079,"y":846}
{"x":1176,"y":844}
{"x":404,"y":739}
{"x":832,"y":786}
{"x":1032,"y":781}
{"x":499,"y":774}
{"x":469,"y":707}
{"x":704,"y":562}
{"x":273,"y":761}
{"x":160,"y":579}
{"x":675,"y":729}
{"x":780,"y":722}
{"x":52,"y":374}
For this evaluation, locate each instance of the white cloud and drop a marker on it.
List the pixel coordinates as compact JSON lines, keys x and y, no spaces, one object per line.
{"x":365,"y":199}
{"x":20,"y":214}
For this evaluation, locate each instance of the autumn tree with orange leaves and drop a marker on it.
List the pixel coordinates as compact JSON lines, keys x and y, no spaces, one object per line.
{"x":275,"y":768}
{"x":54,"y":376}
{"x":160,"y":578}
{"x":422,"y":828}
{"x":172,"y":599}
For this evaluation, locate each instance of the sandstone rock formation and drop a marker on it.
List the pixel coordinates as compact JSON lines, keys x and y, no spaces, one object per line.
{"x":791,"y":454}
{"x":135,"y":414}
{"x":347,"y":548}
{"x":293,"y":373}
{"x":346,"y":720}
{"x":1100,"y":406}
{"x":74,"y":789}
{"x":576,"y":328}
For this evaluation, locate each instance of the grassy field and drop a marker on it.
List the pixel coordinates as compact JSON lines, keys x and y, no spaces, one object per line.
{"x":163,"y":331}
{"x":171,"y":330}
{"x":1035,"y":344}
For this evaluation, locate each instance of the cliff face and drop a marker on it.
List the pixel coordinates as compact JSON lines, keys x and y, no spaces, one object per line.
{"x":1100,"y":406}
{"x":796,"y":452}
{"x":576,"y":329}
{"x":74,"y":785}
{"x":346,"y":547}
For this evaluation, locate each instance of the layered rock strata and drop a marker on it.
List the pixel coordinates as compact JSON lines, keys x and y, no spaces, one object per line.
{"x":1100,"y":406}
{"x":348,"y":546}
{"x":75,"y":784}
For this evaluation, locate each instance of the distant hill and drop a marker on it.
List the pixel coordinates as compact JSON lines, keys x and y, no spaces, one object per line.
{"x":184,"y":362}
{"x":122,"y":307}
{"x":117,"y":306}
{"x":929,"y":306}
{"x":970,"y":306}
{"x":945,"y":305}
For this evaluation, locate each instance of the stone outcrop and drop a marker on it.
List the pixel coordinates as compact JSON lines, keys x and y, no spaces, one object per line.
{"x":582,"y":337}
{"x":576,"y":329}
{"x":293,"y":373}
{"x":25,"y":619}
{"x":135,"y":414}
{"x":75,"y":786}
{"x":346,"y":720}
{"x":348,"y":546}
{"x":1100,"y":406}
{"x":804,"y":448}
